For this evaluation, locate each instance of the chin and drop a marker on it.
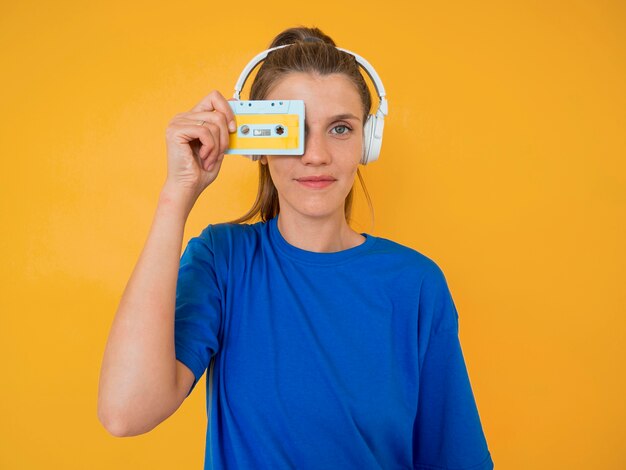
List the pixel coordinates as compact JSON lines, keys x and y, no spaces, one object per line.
{"x":312,"y":205}
{"x":320,"y":212}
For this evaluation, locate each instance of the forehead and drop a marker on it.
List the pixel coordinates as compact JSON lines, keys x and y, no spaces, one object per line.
{"x":323,"y":95}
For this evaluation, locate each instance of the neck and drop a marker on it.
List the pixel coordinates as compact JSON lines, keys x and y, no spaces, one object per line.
{"x":321,"y":235}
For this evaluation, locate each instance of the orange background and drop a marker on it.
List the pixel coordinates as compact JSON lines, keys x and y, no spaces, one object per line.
{"x":503,"y":160}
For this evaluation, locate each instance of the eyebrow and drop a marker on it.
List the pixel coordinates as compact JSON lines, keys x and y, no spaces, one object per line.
{"x":344,"y":116}
{"x":337,"y":117}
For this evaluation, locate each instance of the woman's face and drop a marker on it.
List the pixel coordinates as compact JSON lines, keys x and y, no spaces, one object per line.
{"x":317,"y":183}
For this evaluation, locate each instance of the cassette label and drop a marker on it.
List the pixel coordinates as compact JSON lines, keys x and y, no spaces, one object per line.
{"x":267,"y":127}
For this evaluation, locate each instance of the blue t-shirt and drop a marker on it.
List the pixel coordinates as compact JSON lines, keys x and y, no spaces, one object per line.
{"x":345,"y":360}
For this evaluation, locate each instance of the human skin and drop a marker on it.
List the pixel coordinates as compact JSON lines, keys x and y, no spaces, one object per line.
{"x":312,"y":214}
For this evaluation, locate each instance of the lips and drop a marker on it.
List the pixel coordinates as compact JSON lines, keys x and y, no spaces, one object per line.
{"x":316,"y":178}
{"x":317,"y":181}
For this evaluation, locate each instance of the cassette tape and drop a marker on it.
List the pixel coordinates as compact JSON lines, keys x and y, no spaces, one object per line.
{"x":267,"y":127}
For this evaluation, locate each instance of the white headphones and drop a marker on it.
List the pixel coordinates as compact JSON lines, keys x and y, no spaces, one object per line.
{"x":373,"y":129}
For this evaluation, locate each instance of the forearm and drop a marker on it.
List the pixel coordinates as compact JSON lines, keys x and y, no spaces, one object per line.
{"x":138,"y":377}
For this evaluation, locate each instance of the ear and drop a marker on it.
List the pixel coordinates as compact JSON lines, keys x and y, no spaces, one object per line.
{"x":263,"y":160}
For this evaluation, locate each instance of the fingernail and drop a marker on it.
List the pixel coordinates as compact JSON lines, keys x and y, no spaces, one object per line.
{"x":232,"y":126}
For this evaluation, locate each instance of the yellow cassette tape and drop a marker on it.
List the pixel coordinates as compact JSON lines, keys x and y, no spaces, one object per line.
{"x":267,"y":127}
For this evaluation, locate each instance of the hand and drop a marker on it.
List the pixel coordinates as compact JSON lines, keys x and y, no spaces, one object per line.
{"x":195,"y":152}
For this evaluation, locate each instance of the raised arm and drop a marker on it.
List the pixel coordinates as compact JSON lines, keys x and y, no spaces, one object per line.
{"x":141,"y":382}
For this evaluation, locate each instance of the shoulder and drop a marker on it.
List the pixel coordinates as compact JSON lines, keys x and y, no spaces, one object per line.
{"x":227,"y":238}
{"x":219,"y":246}
{"x":410,"y":259}
{"x":418,"y":280}
{"x":218,"y":233}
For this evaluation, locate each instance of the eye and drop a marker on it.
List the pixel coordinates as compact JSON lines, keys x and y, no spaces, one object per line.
{"x":344,"y":129}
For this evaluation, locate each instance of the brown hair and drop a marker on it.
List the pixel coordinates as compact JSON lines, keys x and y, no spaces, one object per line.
{"x":311,"y":51}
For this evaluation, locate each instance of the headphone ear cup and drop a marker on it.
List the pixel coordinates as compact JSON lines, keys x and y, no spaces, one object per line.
{"x":368,"y":132}
{"x":377,"y":138}
{"x":372,"y":138}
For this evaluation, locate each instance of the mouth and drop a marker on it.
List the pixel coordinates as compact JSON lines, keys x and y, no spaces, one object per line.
{"x":316,"y":182}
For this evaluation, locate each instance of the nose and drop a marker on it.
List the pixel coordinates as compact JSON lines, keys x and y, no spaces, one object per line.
{"x":316,"y":151}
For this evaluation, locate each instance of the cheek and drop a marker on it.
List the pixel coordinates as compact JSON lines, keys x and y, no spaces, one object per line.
{"x":357,"y":151}
{"x":279,"y":173}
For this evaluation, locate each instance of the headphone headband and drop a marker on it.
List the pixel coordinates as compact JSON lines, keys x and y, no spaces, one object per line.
{"x":378,"y":84}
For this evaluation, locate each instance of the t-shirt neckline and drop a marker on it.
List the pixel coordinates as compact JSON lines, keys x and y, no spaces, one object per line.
{"x":312,"y":256}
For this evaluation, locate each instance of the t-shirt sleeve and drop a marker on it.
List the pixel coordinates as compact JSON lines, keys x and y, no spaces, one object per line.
{"x":447,"y":432}
{"x":198,"y":308}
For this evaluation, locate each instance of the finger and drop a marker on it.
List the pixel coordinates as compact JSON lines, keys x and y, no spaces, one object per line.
{"x":214,"y":101}
{"x":223,"y":136}
{"x":216,"y":164}
{"x":208,"y":117}
{"x":191,"y":134}
{"x":206,"y":103}
{"x":214,"y":118}
{"x":210,"y":151}
{"x":210,"y":163}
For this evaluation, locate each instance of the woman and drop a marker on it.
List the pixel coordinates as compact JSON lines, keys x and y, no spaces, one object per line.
{"x":325,"y":348}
